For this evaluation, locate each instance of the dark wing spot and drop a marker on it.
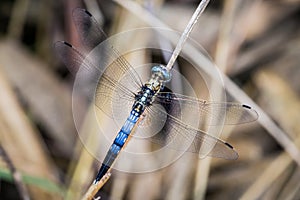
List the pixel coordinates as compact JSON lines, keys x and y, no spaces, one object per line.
{"x":246,"y":106}
{"x":229,"y":145}
{"x":68,"y":44}
{"x":87,"y":12}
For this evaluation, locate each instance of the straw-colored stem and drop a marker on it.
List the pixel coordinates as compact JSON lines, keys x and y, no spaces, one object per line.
{"x":95,"y":187}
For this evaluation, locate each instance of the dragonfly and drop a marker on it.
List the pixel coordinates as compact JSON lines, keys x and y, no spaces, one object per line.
{"x":151,"y":99}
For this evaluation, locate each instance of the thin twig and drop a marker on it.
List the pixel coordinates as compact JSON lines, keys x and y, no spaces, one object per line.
{"x":150,"y":19}
{"x":221,"y":57}
{"x":186,"y":33}
{"x":269,"y":176}
{"x":95,"y":187}
{"x":282,"y":94}
{"x":224,"y":39}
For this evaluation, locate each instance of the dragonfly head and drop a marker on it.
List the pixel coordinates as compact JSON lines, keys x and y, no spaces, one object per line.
{"x":160,"y":73}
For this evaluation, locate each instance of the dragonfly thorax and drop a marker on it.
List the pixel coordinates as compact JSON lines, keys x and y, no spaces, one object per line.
{"x":147,"y":94}
{"x":143,"y":98}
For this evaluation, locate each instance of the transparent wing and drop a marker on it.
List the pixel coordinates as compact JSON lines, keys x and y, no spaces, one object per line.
{"x":108,"y":88}
{"x":95,"y":40}
{"x":180,"y":116}
{"x":208,"y":113}
{"x":173,"y":133}
{"x":183,"y":137}
{"x":169,"y":128}
{"x":100,"y":60}
{"x":89,"y":31}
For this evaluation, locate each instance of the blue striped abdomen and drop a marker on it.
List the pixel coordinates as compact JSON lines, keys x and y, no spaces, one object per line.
{"x":118,"y":144}
{"x":125,"y":130}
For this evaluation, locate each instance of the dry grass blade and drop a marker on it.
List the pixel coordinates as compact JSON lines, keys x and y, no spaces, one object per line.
{"x":280,"y":101}
{"x":21,"y":141}
{"x":292,"y":187}
{"x":269,"y":176}
{"x":265,"y":121}
{"x":179,"y":186}
{"x":201,"y":180}
{"x":47,"y":101}
{"x":254,"y":42}
{"x":255,"y":25}
{"x":222,"y":55}
{"x":81,"y":170}
{"x":224,"y":40}
{"x":275,"y":90}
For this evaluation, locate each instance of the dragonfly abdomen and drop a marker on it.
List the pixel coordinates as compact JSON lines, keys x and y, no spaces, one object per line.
{"x":118,"y":144}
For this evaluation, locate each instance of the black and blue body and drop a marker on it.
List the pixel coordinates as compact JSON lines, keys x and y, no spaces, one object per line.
{"x":177,"y":131}
{"x":118,"y":144}
{"x":143,"y":99}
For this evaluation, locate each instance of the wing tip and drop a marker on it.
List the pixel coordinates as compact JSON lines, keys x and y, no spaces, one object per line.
{"x":254,"y":112}
{"x":78,"y":10}
{"x":229,"y":145}
{"x":234,"y":156}
{"x":88,"y":13}
{"x":66,"y":43}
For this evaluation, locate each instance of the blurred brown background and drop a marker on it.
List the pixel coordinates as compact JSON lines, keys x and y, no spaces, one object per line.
{"x":254,"y":42}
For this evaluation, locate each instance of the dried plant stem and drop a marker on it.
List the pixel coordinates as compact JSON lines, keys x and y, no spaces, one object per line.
{"x":265,"y":121}
{"x":222,"y":56}
{"x":150,"y":19}
{"x":224,"y":39}
{"x":186,"y":33}
{"x":20,"y":138}
{"x":275,"y":169}
{"x":81,"y":172}
{"x":201,"y":179}
{"x":95,"y":187}
{"x":273,"y":87}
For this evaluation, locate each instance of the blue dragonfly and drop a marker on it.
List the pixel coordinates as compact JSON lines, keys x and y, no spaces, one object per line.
{"x":151,"y":99}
